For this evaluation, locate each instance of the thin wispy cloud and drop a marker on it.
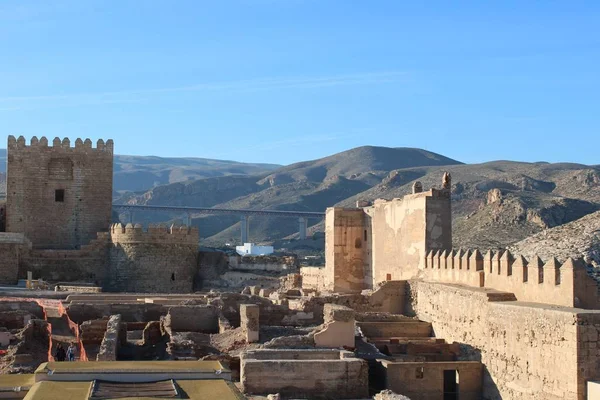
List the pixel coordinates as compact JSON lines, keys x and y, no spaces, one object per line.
{"x":310,"y":139}
{"x":247,"y":86}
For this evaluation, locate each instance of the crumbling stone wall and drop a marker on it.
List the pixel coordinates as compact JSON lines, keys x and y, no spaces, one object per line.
{"x":301,"y":373}
{"x":86,"y":264}
{"x":192,"y":318}
{"x":13,"y":246}
{"x":58,"y":196}
{"x":114,"y":337}
{"x":133,"y":312}
{"x":338,"y":328}
{"x":532,"y":351}
{"x":286,"y":264}
{"x":160,"y":259}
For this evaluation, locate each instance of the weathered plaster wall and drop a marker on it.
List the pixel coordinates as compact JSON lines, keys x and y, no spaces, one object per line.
{"x":402,"y":377}
{"x":304,"y":373}
{"x":36,"y":171}
{"x":529,"y":350}
{"x":404,"y":230}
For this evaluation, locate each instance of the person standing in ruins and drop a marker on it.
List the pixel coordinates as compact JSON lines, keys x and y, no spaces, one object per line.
{"x":71,"y":352}
{"x":59,"y":353}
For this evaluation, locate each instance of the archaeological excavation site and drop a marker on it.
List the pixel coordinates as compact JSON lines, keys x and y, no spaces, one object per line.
{"x":94,"y":307}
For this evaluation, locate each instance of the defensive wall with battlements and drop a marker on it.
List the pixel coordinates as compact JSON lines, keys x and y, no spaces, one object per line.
{"x":159,"y":259}
{"x":552,"y":282}
{"x":58,"y":196}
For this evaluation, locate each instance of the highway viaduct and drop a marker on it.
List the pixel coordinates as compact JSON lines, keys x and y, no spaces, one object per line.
{"x":244,"y":214}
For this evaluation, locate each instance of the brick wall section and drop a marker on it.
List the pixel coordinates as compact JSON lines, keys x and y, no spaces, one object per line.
{"x":529,"y":350}
{"x":36,"y":171}
{"x":157,"y":260}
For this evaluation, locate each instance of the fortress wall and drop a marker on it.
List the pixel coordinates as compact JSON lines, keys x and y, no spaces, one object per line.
{"x":566,"y":284}
{"x":385,"y":241}
{"x":13,"y":247}
{"x":531,"y":351}
{"x":87,"y":264}
{"x":35,"y":175}
{"x":345,"y":263}
{"x":159,"y":259}
{"x":404,"y":229}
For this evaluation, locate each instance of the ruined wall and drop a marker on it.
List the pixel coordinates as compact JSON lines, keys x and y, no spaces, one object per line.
{"x":403,"y":377}
{"x":566,"y":284}
{"x":160,"y":259}
{"x":345,"y":231}
{"x":13,"y":246}
{"x":313,"y":278}
{"x":530,"y":351}
{"x":404,"y":230}
{"x":301,"y":373}
{"x":35,"y":175}
{"x":285,"y":264}
{"x":86,"y":264}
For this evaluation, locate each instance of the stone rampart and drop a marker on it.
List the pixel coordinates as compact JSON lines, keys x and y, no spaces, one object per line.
{"x":86,"y":264}
{"x":529,"y":351}
{"x":59,"y":196}
{"x":159,"y":234}
{"x":13,"y":247}
{"x":158,"y":259}
{"x":566,"y":284}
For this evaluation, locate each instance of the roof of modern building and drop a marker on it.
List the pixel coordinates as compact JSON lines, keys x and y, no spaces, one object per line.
{"x":193,"y":389}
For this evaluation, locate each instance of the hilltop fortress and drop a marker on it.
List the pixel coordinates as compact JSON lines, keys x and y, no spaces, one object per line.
{"x":58,"y":223}
{"x":457,"y":323}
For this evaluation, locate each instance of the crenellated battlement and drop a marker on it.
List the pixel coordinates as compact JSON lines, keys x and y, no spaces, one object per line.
{"x":174,"y":234}
{"x":533,"y":280}
{"x":64,"y":144}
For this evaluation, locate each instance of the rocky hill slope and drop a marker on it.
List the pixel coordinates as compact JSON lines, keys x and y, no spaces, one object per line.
{"x":498,"y":203}
{"x":311,"y":186}
{"x":580,"y":238}
{"x":495,"y":204}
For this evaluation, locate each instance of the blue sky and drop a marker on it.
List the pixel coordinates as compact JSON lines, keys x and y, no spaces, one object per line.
{"x":289,"y":80}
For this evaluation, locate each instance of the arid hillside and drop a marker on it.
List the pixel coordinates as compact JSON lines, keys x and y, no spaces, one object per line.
{"x":136,"y":173}
{"x":495,"y":204}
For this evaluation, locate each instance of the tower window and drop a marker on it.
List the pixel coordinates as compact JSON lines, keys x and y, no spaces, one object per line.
{"x":59,"y":195}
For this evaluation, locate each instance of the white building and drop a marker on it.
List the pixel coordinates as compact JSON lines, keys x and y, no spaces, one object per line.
{"x":250,"y":249}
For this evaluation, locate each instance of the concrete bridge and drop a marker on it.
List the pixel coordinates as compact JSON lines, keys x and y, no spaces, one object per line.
{"x":244,"y":214}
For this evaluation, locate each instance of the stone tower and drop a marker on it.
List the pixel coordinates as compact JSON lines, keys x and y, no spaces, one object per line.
{"x":58,"y":196}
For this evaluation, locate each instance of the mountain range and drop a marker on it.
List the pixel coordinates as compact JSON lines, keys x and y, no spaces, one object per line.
{"x":136,"y":173}
{"x":495,"y":204}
